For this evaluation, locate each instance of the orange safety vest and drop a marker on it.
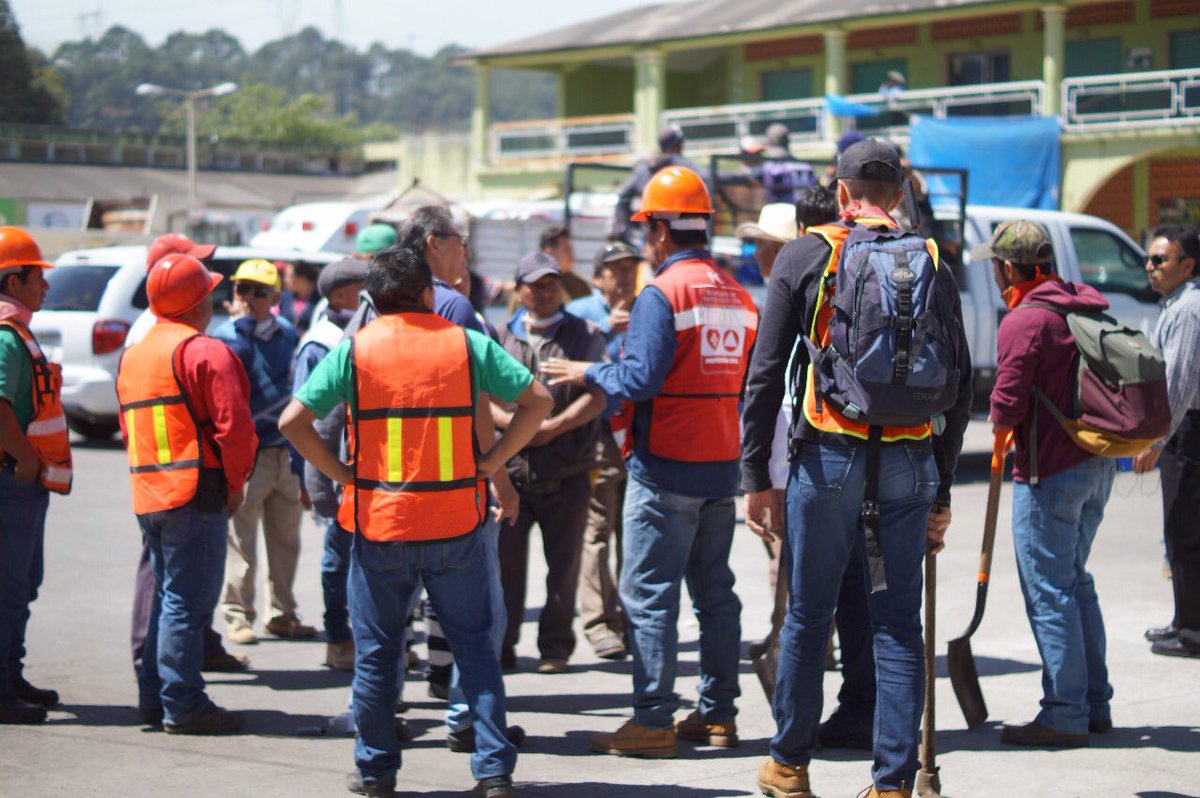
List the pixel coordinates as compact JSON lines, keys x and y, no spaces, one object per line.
{"x":694,"y":418}
{"x":412,"y":432}
{"x":47,"y":430}
{"x":820,"y":414}
{"x":162,"y":437}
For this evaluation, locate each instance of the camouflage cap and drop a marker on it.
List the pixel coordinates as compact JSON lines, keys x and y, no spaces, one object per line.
{"x":1018,"y":241}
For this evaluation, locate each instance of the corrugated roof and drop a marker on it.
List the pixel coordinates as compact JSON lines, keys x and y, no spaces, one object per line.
{"x":687,"y":20}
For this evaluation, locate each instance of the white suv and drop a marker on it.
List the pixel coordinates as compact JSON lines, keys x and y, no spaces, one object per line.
{"x":95,"y":296}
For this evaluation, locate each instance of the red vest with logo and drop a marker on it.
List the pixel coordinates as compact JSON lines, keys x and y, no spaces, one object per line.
{"x":694,"y":418}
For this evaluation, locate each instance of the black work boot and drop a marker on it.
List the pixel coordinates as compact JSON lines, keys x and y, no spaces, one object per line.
{"x":14,"y":710}
{"x":355,"y":783}
{"x":33,"y":695}
{"x":494,"y":787}
{"x":213,"y":720}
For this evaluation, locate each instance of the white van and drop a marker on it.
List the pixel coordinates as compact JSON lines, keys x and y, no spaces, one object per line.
{"x":319,"y":226}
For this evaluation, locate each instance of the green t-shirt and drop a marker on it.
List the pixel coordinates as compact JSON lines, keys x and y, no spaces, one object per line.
{"x":16,"y":376}
{"x":496,"y":373}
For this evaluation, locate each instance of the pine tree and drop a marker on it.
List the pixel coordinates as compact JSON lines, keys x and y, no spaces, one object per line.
{"x":23,"y":97}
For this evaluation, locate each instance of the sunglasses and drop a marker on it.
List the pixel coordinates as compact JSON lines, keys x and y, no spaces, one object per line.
{"x":464,"y":240}
{"x":1157,"y":260}
{"x":256,"y":291}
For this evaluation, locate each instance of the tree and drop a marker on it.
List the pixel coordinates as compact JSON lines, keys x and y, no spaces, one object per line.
{"x":25,"y":95}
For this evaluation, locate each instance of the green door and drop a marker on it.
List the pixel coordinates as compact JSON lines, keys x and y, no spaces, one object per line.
{"x":1185,"y":49}
{"x":1095,"y":57}
{"x":787,"y":84}
{"x":866,"y":76}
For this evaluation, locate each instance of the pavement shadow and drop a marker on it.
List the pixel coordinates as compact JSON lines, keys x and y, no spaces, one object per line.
{"x":991,"y":666}
{"x":1183,"y":739}
{"x":95,"y":715}
{"x":595,"y":789}
{"x":572,"y":704}
{"x":579,"y":743}
{"x":1161,"y":794}
{"x":310,"y":679}
{"x":274,"y":723}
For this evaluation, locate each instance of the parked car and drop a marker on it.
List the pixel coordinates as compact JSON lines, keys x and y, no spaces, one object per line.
{"x":96,"y":296}
{"x":319,"y":226}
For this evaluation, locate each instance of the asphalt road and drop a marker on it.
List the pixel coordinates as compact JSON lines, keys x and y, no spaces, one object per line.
{"x":94,"y":745}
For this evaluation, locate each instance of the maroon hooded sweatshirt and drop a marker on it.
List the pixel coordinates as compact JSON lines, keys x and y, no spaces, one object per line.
{"x":1035,"y":347}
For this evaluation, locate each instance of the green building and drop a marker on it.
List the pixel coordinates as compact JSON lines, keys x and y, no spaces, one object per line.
{"x":1123,"y":76}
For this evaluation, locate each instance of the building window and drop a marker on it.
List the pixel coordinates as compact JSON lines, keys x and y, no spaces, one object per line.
{"x":1185,"y":49}
{"x":787,"y":84}
{"x":971,"y":69}
{"x":867,"y":76}
{"x":1095,"y":57}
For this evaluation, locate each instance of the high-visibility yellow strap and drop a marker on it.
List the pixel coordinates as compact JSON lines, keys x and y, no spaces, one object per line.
{"x":445,"y":449}
{"x":395,"y":451}
{"x":160,"y":433}
{"x":131,"y":431}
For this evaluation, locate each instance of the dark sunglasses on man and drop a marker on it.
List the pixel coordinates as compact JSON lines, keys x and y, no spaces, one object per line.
{"x":250,"y":289}
{"x":1157,"y":260}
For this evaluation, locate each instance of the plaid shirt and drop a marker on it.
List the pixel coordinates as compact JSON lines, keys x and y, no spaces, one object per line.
{"x":1177,"y":336}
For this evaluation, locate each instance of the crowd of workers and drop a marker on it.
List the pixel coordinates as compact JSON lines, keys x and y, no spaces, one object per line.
{"x":427,"y":445}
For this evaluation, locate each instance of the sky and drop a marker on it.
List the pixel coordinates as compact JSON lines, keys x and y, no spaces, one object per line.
{"x":419,"y":25}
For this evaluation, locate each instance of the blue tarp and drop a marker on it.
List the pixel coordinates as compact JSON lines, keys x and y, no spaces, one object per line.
{"x":840,"y":106}
{"x":1012,"y":162}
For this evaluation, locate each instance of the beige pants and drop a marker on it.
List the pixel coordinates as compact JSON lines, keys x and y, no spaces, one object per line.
{"x":272,"y":494}
{"x":599,"y":604}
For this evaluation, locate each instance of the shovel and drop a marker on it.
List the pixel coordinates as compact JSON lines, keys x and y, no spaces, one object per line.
{"x":767,"y":663}
{"x":959,"y":659}
{"x":929,"y":784}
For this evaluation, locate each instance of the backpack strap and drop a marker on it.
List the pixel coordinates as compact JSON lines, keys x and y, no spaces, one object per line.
{"x":903,"y":278}
{"x":870,"y":511}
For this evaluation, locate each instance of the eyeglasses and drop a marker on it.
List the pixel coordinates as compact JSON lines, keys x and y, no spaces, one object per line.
{"x":257,"y":291}
{"x":464,"y":240}
{"x":1157,"y":260}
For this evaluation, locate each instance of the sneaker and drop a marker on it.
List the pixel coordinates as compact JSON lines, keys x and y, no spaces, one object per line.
{"x":1176,"y":647}
{"x":611,"y":648}
{"x":633,"y":739}
{"x":14,"y":710}
{"x":1157,"y":633}
{"x":33,"y":695}
{"x":463,"y":742}
{"x":377,"y":789}
{"x":290,"y":628}
{"x":340,"y":655}
{"x":837,"y":732}
{"x":693,"y":728}
{"x":242,"y":634}
{"x":778,"y":780}
{"x":227,"y":662}
{"x":493,"y":787}
{"x":1035,"y":735}
{"x":551,"y":665}
{"x":213,"y":720}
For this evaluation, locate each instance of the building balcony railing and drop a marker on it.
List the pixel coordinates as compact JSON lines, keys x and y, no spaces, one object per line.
{"x":577,"y":137}
{"x":1130,"y":101}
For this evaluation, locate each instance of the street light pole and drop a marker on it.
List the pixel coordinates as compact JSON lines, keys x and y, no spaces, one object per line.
{"x":189,"y":106}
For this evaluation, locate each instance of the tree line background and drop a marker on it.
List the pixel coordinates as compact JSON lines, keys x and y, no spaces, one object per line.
{"x":302,"y":88}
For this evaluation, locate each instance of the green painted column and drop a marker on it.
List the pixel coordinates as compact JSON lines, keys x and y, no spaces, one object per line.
{"x":649,"y":97}
{"x":481,"y":117}
{"x":1054,"y":56}
{"x":1141,"y":197}
{"x":836,"y":81}
{"x":737,"y":74}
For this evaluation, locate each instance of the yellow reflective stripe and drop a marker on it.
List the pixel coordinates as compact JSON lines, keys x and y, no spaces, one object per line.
{"x":131,"y":430}
{"x":445,"y":448}
{"x":160,"y":433}
{"x":395,"y":451}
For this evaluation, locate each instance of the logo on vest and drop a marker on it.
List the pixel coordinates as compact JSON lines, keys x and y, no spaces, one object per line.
{"x":720,"y":349}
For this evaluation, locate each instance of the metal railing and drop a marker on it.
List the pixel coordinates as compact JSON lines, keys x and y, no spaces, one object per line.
{"x":720,"y":127}
{"x":571,"y":137}
{"x":1133,"y":100}
{"x":1016,"y":98}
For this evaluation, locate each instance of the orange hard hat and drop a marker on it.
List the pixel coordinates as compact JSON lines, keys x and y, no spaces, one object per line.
{"x":178,"y":283}
{"x":674,"y":189}
{"x":17,"y":249}
{"x":176,"y":242}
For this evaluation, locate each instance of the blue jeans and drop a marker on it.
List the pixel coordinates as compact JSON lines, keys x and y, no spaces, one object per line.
{"x":458,"y":714}
{"x":1054,"y":524}
{"x":824,"y":498}
{"x":856,"y":699}
{"x":22,"y":535}
{"x":383,"y":579}
{"x":335,"y":567}
{"x":670,"y":538}
{"x":187,"y":554}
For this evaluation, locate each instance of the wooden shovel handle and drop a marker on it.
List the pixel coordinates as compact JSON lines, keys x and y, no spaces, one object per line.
{"x":1000,"y":445}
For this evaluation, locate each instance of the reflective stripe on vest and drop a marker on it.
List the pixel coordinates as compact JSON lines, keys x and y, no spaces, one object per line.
{"x":819,"y":414}
{"x":412,"y":432}
{"x":694,"y":418}
{"x":47,"y":430}
{"x":162,"y":439}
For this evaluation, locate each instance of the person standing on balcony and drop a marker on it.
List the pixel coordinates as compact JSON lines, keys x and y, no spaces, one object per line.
{"x":670,"y":153}
{"x":690,"y":335}
{"x":893,"y":85}
{"x":35,"y":459}
{"x":1171,"y":265}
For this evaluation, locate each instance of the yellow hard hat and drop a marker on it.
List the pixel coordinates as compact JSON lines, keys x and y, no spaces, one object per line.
{"x":257,"y":270}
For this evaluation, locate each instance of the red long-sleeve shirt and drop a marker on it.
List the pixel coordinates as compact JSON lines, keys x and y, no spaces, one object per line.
{"x":215,"y":384}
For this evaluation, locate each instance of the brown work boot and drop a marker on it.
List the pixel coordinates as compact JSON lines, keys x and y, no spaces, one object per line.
{"x":878,"y":793}
{"x":777,"y":780}
{"x":340,"y":655}
{"x":633,"y":739}
{"x":696,"y":729}
{"x":290,"y":628}
{"x":1035,"y":735}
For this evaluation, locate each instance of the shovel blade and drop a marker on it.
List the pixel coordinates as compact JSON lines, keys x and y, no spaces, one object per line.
{"x":765,"y":666}
{"x":929,"y":785}
{"x":965,"y":680}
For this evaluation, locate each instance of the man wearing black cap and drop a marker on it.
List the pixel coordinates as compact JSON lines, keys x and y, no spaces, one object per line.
{"x":551,"y":474}
{"x":826,"y":489}
{"x":670,"y":146}
{"x":340,"y":284}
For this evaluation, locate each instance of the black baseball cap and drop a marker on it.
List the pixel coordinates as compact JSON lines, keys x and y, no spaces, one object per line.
{"x":614,"y":252}
{"x":871,"y":159}
{"x":535,"y":266}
